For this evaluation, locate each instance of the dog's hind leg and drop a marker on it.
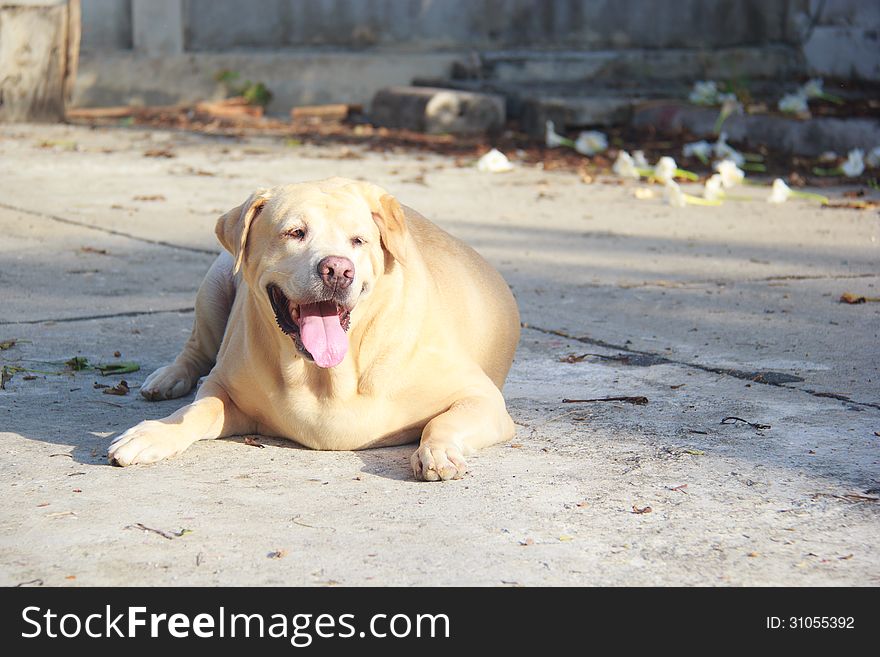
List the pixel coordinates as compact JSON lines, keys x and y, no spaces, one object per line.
{"x":213,"y":303}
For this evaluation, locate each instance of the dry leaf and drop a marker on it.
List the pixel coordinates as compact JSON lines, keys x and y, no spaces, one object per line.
{"x":119,"y":389}
{"x":849,"y":297}
{"x":159,"y":152}
{"x":639,"y":511}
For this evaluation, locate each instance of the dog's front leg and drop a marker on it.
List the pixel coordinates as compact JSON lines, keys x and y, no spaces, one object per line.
{"x":212,"y":415}
{"x":477,"y":419}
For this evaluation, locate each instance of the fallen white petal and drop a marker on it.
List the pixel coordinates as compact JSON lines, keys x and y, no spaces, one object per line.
{"x":794,"y":103}
{"x":494,"y":162}
{"x":731,"y":175}
{"x":664,"y":170}
{"x":712,"y":190}
{"x":780,"y":192}
{"x":591,"y":142}
{"x":551,"y":138}
{"x":855,"y":163}
{"x":625,"y":167}
{"x":673,"y":194}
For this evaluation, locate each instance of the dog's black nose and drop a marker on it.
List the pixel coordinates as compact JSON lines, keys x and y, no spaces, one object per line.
{"x":337,"y":272}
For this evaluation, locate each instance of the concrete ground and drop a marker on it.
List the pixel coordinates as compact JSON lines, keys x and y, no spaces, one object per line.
{"x":707,"y":312}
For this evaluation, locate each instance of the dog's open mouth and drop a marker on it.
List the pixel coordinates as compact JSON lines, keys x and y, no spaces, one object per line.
{"x":317,"y":329}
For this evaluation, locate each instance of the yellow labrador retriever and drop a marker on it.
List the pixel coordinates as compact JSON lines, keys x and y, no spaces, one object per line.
{"x":340,"y":320}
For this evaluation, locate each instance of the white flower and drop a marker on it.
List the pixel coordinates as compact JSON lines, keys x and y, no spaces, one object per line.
{"x":591,"y":142}
{"x":640,"y":161}
{"x":725,"y":151}
{"x":854,"y":164}
{"x":664,"y":170}
{"x":551,"y":138}
{"x":780,"y":192}
{"x":673,"y":194}
{"x":813,"y":88}
{"x":712,"y":191}
{"x":704,"y":93}
{"x":795,"y":103}
{"x":625,"y":167}
{"x":494,"y":162}
{"x":873,"y":157}
{"x":701,"y":149}
{"x":731,"y":175}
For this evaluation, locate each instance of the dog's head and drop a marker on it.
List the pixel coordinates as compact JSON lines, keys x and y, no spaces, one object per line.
{"x":312,"y":252}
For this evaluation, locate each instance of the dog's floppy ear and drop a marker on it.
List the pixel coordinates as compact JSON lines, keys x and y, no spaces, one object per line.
{"x":390,"y":219}
{"x":233,"y":227}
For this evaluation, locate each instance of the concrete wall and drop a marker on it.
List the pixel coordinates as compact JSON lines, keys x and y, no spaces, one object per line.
{"x":106,"y":25}
{"x":438,"y":24}
{"x":845,"y":41}
{"x":212,"y":25}
{"x":163,"y":51}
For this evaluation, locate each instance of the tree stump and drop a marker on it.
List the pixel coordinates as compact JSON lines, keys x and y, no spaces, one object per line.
{"x":39,"y":49}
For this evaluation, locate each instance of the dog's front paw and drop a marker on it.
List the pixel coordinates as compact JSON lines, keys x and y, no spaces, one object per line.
{"x":438,"y":462}
{"x":147,"y":442}
{"x":168,"y":382}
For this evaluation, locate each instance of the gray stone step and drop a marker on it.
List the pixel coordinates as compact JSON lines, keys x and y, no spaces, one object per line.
{"x":436,"y":110}
{"x":781,"y":134}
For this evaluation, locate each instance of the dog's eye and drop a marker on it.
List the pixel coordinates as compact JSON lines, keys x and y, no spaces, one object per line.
{"x":358,"y":241}
{"x":295,"y":234}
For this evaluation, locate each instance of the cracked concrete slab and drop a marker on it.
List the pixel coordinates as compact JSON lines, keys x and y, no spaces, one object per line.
{"x":660,"y":302}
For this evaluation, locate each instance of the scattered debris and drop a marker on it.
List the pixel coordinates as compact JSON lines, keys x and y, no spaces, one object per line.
{"x":253,"y":442}
{"x":251,"y":93}
{"x":30,"y":582}
{"x":5,"y":377}
{"x":61,"y":514}
{"x":122,"y":367}
{"x":849,"y":497}
{"x":7,"y":344}
{"x":148,"y":197}
{"x":277,"y":554}
{"x":852,"y":299}
{"x":638,"y":401}
{"x":852,"y":205}
{"x":527,"y":541}
{"x":92,"y":249}
{"x":77,"y":363}
{"x":160,"y":532}
{"x":693,"y":452}
{"x":320,"y":113}
{"x":120,"y":389}
{"x":159,"y":152}
{"x":730,"y":419}
{"x":678,"y":489}
{"x":231,"y":108}
{"x":638,"y":511}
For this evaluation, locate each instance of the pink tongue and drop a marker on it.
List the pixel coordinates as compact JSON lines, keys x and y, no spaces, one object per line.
{"x":322,"y":334}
